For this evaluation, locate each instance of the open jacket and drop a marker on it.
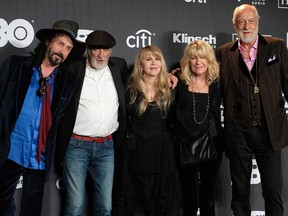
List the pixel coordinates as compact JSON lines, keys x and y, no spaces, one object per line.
{"x":15,"y":77}
{"x":272,"y":57}
{"x":72,"y":91}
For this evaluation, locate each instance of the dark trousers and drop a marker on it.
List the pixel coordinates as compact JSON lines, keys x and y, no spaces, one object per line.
{"x":32,"y":191}
{"x":249,"y":141}
{"x":198,"y":185}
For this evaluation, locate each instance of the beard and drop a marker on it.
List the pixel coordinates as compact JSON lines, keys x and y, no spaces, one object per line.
{"x":247,"y":39}
{"x":96,"y":65}
{"x":55,"y":58}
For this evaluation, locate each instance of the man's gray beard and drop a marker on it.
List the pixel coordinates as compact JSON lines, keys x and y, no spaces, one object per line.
{"x":247,"y":40}
{"x":97,"y":66}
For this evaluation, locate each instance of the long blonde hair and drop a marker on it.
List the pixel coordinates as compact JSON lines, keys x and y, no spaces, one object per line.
{"x":202,"y":49}
{"x":138,"y":85}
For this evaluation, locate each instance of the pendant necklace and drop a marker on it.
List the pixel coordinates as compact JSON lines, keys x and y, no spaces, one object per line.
{"x":194,"y":109}
{"x":256,"y":87}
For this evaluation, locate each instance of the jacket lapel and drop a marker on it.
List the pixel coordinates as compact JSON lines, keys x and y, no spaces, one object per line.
{"x":234,"y":61}
{"x":24,"y":80}
{"x":263,"y":58}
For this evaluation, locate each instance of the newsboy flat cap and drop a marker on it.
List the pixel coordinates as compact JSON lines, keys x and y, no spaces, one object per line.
{"x":100,"y":39}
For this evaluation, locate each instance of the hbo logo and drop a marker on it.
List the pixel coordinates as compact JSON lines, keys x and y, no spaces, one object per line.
{"x":19,"y":33}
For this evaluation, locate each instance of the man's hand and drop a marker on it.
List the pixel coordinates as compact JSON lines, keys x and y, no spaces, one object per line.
{"x":172,"y":80}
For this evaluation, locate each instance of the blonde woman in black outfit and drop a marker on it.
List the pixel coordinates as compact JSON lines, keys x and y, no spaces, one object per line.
{"x":151,"y":166}
{"x":198,"y":101}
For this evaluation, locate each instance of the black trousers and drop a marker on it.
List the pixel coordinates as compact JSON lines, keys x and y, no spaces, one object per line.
{"x":198,"y":185}
{"x":248,"y":142}
{"x":32,"y":191}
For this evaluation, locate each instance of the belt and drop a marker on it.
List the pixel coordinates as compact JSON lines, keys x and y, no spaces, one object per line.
{"x":92,"y":139}
{"x":250,"y":124}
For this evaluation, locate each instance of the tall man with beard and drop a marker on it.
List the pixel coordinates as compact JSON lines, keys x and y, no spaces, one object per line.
{"x":30,"y":107}
{"x":254,"y":74}
{"x":92,"y":129}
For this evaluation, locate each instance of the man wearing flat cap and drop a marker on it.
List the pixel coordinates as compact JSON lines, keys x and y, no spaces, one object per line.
{"x":93,"y":127}
{"x":31,"y":104}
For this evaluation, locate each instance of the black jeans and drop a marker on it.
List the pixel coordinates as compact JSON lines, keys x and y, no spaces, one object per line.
{"x":32,"y":191}
{"x":198,"y":185}
{"x":249,"y":141}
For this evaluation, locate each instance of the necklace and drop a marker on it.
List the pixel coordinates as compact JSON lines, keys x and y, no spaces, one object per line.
{"x":151,"y":95}
{"x":195,"y":87}
{"x":194,"y":109}
{"x":256,"y":87}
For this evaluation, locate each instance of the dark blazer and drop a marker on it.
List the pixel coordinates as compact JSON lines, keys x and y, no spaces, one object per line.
{"x":273,"y":79}
{"x":15,"y":77}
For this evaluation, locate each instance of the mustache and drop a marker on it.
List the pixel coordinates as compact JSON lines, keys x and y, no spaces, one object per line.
{"x":60,"y":55}
{"x":247,"y":31}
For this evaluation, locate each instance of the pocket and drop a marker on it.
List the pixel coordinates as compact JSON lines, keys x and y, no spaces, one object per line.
{"x":74,"y":142}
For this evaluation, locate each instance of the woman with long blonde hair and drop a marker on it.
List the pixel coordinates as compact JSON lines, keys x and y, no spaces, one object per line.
{"x":198,"y":109}
{"x":151,"y":159}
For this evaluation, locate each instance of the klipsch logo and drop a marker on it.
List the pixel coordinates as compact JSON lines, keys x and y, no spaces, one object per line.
{"x":19,"y":33}
{"x":185,"y":38}
{"x":141,"y":38}
{"x":283,"y":4}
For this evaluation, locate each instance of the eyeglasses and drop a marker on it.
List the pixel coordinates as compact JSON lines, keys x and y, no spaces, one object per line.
{"x":42,"y":86}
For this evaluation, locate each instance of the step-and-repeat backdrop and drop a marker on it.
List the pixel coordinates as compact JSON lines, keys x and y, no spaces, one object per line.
{"x":170,"y":24}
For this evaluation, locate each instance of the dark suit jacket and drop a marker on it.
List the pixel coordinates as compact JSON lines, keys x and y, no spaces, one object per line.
{"x":15,"y":77}
{"x":273,"y":80}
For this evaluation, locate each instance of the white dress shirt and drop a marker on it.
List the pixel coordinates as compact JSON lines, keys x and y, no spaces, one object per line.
{"x":98,"y":107}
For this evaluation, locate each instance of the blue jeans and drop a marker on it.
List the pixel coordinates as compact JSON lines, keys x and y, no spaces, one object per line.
{"x":98,"y":160}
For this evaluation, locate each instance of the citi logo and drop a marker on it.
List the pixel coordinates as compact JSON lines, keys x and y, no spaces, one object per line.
{"x":185,"y":38}
{"x":19,"y":33}
{"x":141,"y":38}
{"x":196,"y":1}
{"x":283,"y":4}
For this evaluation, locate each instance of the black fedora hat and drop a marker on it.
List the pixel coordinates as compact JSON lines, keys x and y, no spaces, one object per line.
{"x":67,"y":27}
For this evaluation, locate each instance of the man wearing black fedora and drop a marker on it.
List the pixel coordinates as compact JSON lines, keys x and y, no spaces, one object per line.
{"x":93,"y":127}
{"x":31,"y":103}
